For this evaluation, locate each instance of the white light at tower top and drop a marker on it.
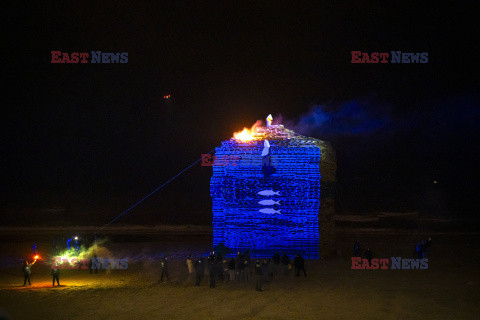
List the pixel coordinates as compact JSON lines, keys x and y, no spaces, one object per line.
{"x":269,"y":120}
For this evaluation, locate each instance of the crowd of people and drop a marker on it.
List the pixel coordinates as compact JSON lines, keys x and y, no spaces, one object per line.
{"x":241,"y":268}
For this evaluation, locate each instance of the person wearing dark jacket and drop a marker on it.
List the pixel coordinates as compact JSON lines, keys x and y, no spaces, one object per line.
{"x":369,"y":255}
{"x":286,"y":263}
{"x":276,"y":258}
{"x":241,"y":268}
{"x":422,"y":249}
{"x":276,"y":264}
{"x":27,"y":271}
{"x":164,"y":269}
{"x":211,"y":257}
{"x":56,"y":276}
{"x":199,"y":271}
{"x":299,"y":265}
{"x":231,"y":269}
{"x":213,"y":272}
{"x":258,"y":276}
{"x":356,"y":249}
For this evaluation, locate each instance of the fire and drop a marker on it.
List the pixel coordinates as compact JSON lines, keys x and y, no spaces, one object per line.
{"x":246,"y":134}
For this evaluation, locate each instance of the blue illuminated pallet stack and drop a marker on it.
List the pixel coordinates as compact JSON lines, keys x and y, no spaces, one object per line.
{"x":290,"y":201}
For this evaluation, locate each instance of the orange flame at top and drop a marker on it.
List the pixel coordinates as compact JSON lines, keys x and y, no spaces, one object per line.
{"x":246,"y":135}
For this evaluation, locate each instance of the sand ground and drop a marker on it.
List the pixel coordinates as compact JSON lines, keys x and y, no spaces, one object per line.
{"x":448,"y":289}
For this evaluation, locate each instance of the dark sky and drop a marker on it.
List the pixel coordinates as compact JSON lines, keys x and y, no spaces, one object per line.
{"x":94,"y":138}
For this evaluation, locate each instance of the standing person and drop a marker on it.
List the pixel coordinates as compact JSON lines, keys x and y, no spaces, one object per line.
{"x":286,"y":263}
{"x":299,"y":264}
{"x":296,"y":265}
{"x":213,"y":272}
{"x":240,"y":267}
{"x":356,"y":249}
{"x":369,"y":256}
{"x":231,"y":269}
{"x":418,"y":248}
{"x":27,"y":271}
{"x":209,"y":262}
{"x":302,"y":266}
{"x":190,"y":267}
{"x":164,"y":269}
{"x":211,"y":257}
{"x":239,"y":256}
{"x":237,"y":264}
{"x":276,"y":264}
{"x":199,"y":271}
{"x":423,"y":245}
{"x":258,"y":276}
{"x":56,"y":276}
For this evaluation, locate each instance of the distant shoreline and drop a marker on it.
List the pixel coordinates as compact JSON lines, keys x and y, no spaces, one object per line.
{"x":131,"y":230}
{"x":197,"y":230}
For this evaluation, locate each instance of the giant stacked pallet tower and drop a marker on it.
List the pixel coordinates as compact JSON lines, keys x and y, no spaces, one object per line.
{"x":288,"y":211}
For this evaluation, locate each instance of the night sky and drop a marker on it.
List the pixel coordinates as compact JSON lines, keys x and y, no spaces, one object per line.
{"x":92,"y":139}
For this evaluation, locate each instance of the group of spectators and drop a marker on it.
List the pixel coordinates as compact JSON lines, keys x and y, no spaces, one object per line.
{"x":241,"y":268}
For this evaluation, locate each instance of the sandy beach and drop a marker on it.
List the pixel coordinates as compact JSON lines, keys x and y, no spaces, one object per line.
{"x":448,"y":289}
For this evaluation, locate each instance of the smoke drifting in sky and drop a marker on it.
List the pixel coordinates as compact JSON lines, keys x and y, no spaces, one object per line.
{"x":351,"y":118}
{"x":389,"y":160}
